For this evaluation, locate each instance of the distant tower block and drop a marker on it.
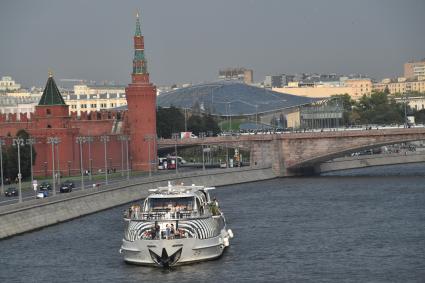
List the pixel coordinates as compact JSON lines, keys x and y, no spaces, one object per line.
{"x":141,"y":100}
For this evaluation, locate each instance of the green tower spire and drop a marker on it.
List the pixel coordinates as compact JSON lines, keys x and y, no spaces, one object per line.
{"x":51,"y":94}
{"x":138,"y":30}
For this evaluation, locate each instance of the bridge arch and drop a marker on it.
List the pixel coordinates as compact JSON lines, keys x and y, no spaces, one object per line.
{"x":300,"y":153}
{"x":332,"y":155}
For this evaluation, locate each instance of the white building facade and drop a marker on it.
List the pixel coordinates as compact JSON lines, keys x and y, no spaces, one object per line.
{"x":8,"y":84}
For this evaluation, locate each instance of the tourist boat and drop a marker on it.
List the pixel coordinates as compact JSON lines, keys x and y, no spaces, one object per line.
{"x":175,"y":225}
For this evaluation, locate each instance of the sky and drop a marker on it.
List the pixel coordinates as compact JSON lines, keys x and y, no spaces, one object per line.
{"x":188,"y":41}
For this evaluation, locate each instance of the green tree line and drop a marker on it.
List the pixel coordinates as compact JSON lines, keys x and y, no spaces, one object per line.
{"x":10,"y":158}
{"x":377,"y":108}
{"x":171,"y":120}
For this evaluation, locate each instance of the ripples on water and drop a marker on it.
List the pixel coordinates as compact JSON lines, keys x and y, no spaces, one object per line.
{"x":355,"y":228}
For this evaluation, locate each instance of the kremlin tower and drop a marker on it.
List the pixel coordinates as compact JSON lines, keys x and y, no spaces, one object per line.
{"x":141,"y":101}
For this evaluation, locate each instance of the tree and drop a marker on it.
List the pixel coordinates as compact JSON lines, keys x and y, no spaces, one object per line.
{"x":11,"y":158}
{"x":378,"y":108}
{"x":282,"y":121}
{"x":420,"y":116}
{"x":195,"y":124}
{"x":274,"y":122}
{"x":210,"y":124}
{"x":169,"y":121}
{"x":196,"y":107}
{"x":205,"y":123}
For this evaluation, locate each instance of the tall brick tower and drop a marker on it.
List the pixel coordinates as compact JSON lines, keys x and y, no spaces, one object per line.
{"x":141,"y":101}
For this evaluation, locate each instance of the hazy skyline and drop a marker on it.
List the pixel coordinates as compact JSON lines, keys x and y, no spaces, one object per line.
{"x":190,"y":40}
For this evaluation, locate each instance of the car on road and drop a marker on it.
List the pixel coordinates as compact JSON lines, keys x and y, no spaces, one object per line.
{"x":45,"y":186}
{"x":69,"y":183}
{"x":42,"y":194}
{"x":223,"y":164}
{"x":11,"y":192}
{"x":66,"y":187}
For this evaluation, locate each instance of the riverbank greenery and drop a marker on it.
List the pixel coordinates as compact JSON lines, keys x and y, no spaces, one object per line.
{"x":172,"y":120}
{"x":10,"y":158}
{"x":377,"y":108}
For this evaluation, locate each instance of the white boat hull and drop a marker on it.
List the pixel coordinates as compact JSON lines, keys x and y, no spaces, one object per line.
{"x":174,"y":251}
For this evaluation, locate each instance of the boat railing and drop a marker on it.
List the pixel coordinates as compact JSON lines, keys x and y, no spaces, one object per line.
{"x":151,"y":234}
{"x":135,"y":215}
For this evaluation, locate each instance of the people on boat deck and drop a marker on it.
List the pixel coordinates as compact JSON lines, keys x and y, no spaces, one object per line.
{"x":135,"y":209}
{"x":167,"y":231}
{"x":130,"y":212}
{"x":214,"y":207}
{"x":172,"y":231}
{"x":157,"y":231}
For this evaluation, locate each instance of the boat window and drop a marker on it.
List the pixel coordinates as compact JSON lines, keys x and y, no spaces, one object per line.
{"x":171,"y":204}
{"x":198,"y":203}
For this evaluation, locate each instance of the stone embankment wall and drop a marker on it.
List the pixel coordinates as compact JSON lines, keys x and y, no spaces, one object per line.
{"x":35,"y":214}
{"x":346,"y":163}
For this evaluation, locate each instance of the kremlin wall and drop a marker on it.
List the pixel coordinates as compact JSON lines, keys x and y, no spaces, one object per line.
{"x":51,"y":119}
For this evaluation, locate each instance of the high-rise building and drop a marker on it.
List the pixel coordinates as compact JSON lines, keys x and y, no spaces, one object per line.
{"x":141,"y":100}
{"x":415,"y":70}
{"x":274,"y":81}
{"x":241,"y":74}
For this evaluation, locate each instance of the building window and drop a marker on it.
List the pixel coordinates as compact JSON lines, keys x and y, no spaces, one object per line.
{"x":93,"y":105}
{"x":83,"y":105}
{"x":48,"y":112}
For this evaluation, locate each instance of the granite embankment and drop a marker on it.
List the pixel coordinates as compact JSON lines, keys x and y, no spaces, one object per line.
{"x":35,"y":214}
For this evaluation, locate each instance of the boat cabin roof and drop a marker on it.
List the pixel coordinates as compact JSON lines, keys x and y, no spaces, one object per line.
{"x":178,"y":191}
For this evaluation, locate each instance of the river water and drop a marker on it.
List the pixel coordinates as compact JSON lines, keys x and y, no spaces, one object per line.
{"x":357,"y":226}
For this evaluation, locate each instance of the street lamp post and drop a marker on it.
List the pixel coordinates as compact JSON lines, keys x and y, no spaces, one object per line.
{"x":89,"y":140}
{"x":175,"y":136}
{"x":105,"y":139}
{"x":57,"y":159}
{"x":150,"y":138}
{"x":185,"y":119}
{"x":1,"y":165}
{"x":30,"y":142}
{"x":80,"y":140}
{"x":256,"y":117}
{"x":18,"y":142}
{"x":128,"y":166}
{"x":122,"y":139}
{"x":202,"y":136}
{"x":227,"y":155}
{"x":53,"y":141}
{"x":405,"y":110}
{"x":122,"y":156}
{"x":230,"y":117}
{"x":69,"y":168}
